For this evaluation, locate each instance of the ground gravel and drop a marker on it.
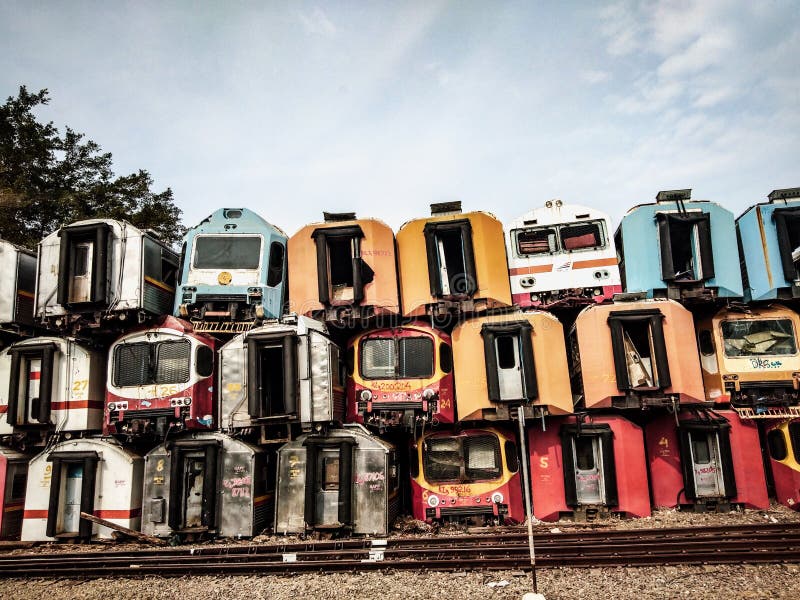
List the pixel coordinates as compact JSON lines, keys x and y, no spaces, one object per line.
{"x":642,"y":583}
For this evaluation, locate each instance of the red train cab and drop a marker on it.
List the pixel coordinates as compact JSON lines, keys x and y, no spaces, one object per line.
{"x":400,"y":376}
{"x":471,"y":475}
{"x":160,"y":377}
{"x":589,"y":466}
{"x":710,"y":459}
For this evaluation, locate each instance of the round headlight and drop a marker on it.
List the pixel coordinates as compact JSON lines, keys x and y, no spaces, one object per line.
{"x":433,"y":501}
{"x":428,"y":393}
{"x":112,"y":406}
{"x":366,"y":395}
{"x":497,"y":498}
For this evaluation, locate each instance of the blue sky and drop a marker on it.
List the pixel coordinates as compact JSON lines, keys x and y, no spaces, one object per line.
{"x":384,"y":107}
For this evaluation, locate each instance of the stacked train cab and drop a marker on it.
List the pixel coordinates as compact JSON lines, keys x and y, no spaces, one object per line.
{"x":328,"y":382}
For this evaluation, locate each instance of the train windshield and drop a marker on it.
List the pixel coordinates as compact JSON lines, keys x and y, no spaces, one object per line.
{"x":397,"y":358}
{"x":572,"y":237}
{"x":144,"y":364}
{"x":463,"y":459}
{"x":763,"y":337}
{"x":227,"y":252}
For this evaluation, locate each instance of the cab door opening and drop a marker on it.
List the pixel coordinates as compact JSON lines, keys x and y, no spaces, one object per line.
{"x":329,"y":476}
{"x":640,"y":354}
{"x":72,"y":491}
{"x":451,"y":260}
{"x":193,"y":485}
{"x":707,"y":460}
{"x":83,"y":267}
{"x":590,"y":479}
{"x":272,"y":375}
{"x":509,"y":362}
{"x":787,"y":225}
{"x":685,"y":244}
{"x":341,"y":271}
{"x":31,"y":384}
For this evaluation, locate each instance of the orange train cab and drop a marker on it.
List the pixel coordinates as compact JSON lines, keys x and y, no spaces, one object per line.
{"x":452,"y":262}
{"x":343,"y":268}
{"x":504,"y":361}
{"x":633,"y":354}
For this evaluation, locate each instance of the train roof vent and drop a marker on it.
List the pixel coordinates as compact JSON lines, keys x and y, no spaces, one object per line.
{"x":784,"y":194}
{"x":334,"y":217}
{"x":673,"y":195}
{"x":446,"y":208}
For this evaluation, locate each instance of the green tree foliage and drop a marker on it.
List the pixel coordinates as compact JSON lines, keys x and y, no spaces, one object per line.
{"x":48,"y":180}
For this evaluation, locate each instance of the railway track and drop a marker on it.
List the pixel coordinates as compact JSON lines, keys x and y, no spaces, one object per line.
{"x":504,"y":550}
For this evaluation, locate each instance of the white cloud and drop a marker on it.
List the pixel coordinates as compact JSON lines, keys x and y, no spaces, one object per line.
{"x":595,"y":76}
{"x":317,"y":22}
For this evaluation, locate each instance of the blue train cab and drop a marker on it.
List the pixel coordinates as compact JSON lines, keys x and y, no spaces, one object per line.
{"x":233,"y":271}
{"x":769,"y":241}
{"x":680,"y":249}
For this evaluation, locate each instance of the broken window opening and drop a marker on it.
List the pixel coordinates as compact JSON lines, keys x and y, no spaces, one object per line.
{"x":762,"y":337}
{"x":330,"y":473}
{"x":193,"y":486}
{"x":685,"y":246}
{"x":640,"y":355}
{"x":582,"y":236}
{"x":341,"y":272}
{"x":794,"y":438}
{"x":463,"y":459}
{"x":452,"y":265}
{"x":701,"y":451}
{"x":787,"y":225}
{"x":31,"y":384}
{"x":276,"y":259}
{"x":584,"y":453}
{"x":506,"y":351}
{"x":539,"y":240}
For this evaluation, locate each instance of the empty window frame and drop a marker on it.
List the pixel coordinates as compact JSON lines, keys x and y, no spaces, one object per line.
{"x":463,"y":459}
{"x":509,"y":361}
{"x":794,"y":438}
{"x":685,"y":245}
{"x":787,"y":225}
{"x":341,"y":271}
{"x":761,"y":337}
{"x":639,"y":348}
{"x":330,"y":473}
{"x":83,"y":264}
{"x":582,"y":236}
{"x":397,"y":358}
{"x":590,"y":476}
{"x":272,"y":375}
{"x":451,"y":259}
{"x":706,"y":458}
{"x":143,"y":363}
{"x":230,"y":252}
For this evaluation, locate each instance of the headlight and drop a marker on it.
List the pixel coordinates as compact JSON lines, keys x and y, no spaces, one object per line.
{"x":428,"y":393}
{"x":497,"y":498}
{"x":112,"y":406}
{"x":433,"y":501}
{"x":366,"y":395}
